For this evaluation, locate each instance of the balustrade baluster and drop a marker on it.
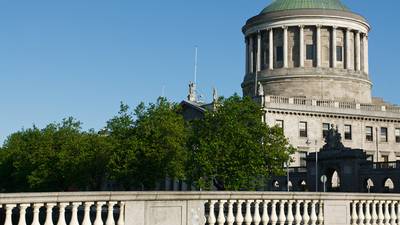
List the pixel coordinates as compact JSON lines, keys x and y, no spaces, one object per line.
{"x":211,"y":218}
{"x":9,"y":208}
{"x":99,"y":209}
{"x":22,"y":214}
{"x":290,"y":217}
{"x":387,"y":213}
{"x":298,"y":218}
{"x":239,"y":216}
{"x":381,"y":216}
{"x":36,"y":210}
{"x":230,"y":219}
{"x":361,"y":216}
{"x":86,"y":215}
{"x":313,"y":213}
{"x":282,"y":217}
{"x":265,"y":216}
{"x":49,"y":213}
{"x":74,"y":217}
{"x":321,"y":213}
{"x":274,"y":216}
{"x":306,"y":217}
{"x":221,"y":216}
{"x":256,"y":216}
{"x":121,"y":219}
{"x":248,"y":218}
{"x":354,"y":215}
{"x":374,"y":216}
{"x":393,"y":213}
{"x":368,"y":213}
{"x":61,"y":213}
{"x":110,"y":213}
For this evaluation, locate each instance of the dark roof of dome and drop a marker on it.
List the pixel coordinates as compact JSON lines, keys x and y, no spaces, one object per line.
{"x":280,"y":5}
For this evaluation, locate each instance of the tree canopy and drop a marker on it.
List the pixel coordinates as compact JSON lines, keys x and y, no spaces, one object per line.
{"x":230,"y":149}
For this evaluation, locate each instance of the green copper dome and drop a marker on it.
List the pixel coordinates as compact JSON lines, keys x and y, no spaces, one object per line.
{"x":279,"y":5}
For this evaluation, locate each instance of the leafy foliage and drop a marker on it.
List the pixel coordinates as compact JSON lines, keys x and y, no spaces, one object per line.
{"x":230,"y":148}
{"x":233,"y":149}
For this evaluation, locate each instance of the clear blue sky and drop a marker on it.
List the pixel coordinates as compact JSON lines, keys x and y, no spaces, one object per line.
{"x":81,"y":58}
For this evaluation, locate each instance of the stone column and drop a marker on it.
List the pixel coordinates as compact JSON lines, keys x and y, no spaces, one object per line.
{"x":301,"y":46}
{"x":366,"y":59}
{"x":348,"y":52}
{"x":358,"y":51}
{"x":319,"y":56}
{"x":334,"y":56}
{"x":247,"y":54}
{"x":259,"y":52}
{"x":285,"y":47}
{"x":271,"y":49}
{"x":251,"y":55}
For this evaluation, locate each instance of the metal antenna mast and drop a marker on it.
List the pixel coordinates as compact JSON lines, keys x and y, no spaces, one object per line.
{"x":195,"y":65}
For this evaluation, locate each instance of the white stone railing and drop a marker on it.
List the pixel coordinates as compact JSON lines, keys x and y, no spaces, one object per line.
{"x":199,"y":208}
{"x":330,"y":104}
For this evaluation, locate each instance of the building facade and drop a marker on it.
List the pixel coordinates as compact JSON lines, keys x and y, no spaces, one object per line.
{"x":310,"y":58}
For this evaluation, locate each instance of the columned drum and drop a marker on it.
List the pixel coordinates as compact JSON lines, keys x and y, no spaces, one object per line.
{"x":313,"y":50}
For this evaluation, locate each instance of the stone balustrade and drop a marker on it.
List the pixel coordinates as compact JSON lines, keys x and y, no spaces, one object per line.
{"x":199,"y":208}
{"x":331,"y":104}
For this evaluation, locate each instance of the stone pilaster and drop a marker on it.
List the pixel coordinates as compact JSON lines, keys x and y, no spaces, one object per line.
{"x":259,"y":52}
{"x":301,"y":46}
{"x":334,"y":41}
{"x":285,"y":47}
{"x":251,"y":55}
{"x":358,"y":51}
{"x":271,"y":49}
{"x":348,"y":50}
{"x":366,"y":54}
{"x":319,"y":43}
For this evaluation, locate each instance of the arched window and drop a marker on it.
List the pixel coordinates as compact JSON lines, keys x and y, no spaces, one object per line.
{"x":389,"y":184}
{"x":276,"y":184}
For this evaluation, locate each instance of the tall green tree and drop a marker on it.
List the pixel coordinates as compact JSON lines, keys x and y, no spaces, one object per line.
{"x":152,"y":144}
{"x":59,"y":157}
{"x":232,"y":149}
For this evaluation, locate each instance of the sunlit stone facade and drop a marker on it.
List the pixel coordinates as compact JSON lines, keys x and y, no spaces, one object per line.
{"x":312,"y":62}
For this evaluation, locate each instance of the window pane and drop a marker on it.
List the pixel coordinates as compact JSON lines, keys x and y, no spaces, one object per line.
{"x":303,"y":129}
{"x":369,"y":135}
{"x":339,"y":53}
{"x":384,"y":137}
{"x":279,"y":123}
{"x":279,"y":53}
{"x":325,"y":129}
{"x":347,"y":132}
{"x":397,"y":133}
{"x":310,"y":52}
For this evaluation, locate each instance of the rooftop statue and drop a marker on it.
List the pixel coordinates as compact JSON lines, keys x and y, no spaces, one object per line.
{"x":333,"y":140}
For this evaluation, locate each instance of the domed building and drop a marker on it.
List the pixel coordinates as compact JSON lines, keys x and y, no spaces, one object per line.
{"x":307,"y":60}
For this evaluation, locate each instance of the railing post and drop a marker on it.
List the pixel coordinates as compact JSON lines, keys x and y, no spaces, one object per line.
{"x":337,"y":212}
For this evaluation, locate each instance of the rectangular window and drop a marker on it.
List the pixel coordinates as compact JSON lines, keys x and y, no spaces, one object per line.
{"x":339,"y":53}
{"x":384,"y":134}
{"x":310,"y":52}
{"x":303,"y":159}
{"x":325,"y":129}
{"x":303,"y":129}
{"x":347,"y":132}
{"x":369,"y":134}
{"x":385,"y":158}
{"x":279,"y":123}
{"x":279,"y":53}
{"x":397,"y":134}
